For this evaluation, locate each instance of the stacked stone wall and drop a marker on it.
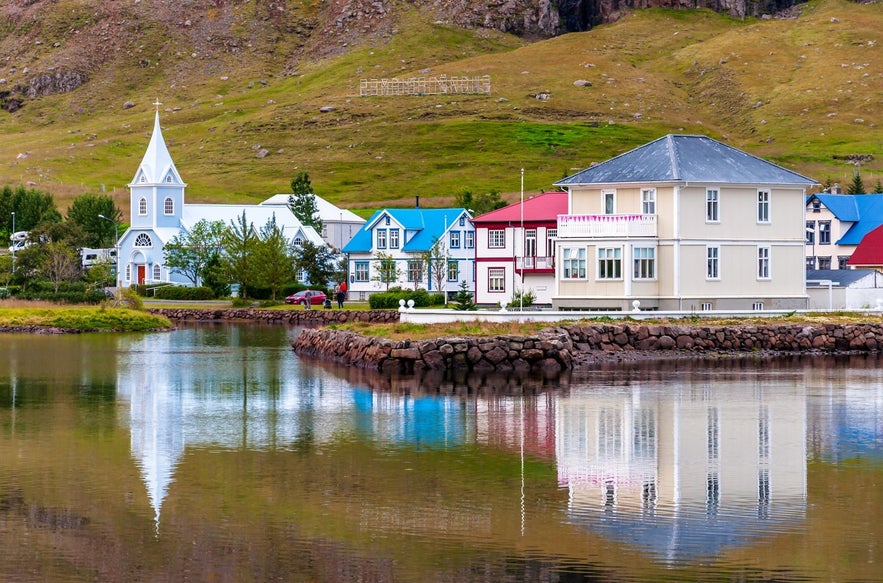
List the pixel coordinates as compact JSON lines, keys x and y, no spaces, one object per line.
{"x":315,"y":317}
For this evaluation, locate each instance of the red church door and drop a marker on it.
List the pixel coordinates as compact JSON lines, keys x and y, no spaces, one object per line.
{"x":142,"y":273}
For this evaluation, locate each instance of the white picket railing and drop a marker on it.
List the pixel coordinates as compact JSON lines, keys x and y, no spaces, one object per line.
{"x":581,"y":226}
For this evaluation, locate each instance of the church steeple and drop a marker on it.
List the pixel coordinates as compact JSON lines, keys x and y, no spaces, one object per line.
{"x":157,"y":166}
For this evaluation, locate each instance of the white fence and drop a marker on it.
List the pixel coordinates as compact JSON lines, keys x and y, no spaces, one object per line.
{"x":441,"y":85}
{"x":578,"y":226}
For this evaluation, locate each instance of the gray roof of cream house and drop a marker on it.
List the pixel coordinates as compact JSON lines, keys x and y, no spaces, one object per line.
{"x":685,"y":158}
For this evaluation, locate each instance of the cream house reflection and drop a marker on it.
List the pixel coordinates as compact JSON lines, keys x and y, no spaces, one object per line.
{"x":685,"y":472}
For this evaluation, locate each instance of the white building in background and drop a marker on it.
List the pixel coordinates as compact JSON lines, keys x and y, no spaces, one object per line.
{"x":339,"y":225}
{"x":159,"y":214}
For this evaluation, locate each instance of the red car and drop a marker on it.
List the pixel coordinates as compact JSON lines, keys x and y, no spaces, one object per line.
{"x":317,"y":298}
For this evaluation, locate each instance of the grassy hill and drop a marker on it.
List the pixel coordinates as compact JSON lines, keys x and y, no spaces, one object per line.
{"x":803,"y":92}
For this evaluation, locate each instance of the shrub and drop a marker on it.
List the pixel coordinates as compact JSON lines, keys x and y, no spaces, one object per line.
{"x":464,"y":298}
{"x":175,"y":292}
{"x":390,"y":300}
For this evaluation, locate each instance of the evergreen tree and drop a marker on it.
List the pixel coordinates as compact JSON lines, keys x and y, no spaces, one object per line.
{"x":317,"y":261}
{"x":856,"y":186}
{"x":478,"y":204}
{"x":240,"y":243}
{"x":85,"y":211}
{"x":275,"y":259}
{"x":302,"y":202}
{"x":464,"y":299}
{"x":878,"y":188}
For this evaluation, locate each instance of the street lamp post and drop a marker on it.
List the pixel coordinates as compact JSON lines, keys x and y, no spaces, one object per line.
{"x":116,"y":249}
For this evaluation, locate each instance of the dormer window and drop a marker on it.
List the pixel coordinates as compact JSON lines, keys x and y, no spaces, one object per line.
{"x":143,"y":178}
{"x":169,"y":178}
{"x":816,"y":205}
{"x":142,"y":206}
{"x":387,"y":220}
{"x":169,"y":206}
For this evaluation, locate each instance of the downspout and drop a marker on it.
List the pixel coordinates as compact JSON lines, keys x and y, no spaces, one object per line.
{"x":676,"y":249}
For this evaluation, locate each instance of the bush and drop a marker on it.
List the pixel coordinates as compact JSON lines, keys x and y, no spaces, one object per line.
{"x":175,"y":292}
{"x":390,"y":300}
{"x":71,"y":295}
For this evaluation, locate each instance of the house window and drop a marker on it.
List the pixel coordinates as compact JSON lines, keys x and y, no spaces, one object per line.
{"x":470,"y":239}
{"x":143,"y":240}
{"x":609,"y":203}
{"x":712,"y":205}
{"x":462,"y":221}
{"x":574,"y":262}
{"x":816,"y":205}
{"x":609,"y":263}
{"x":644,"y":262}
{"x":361,"y":270}
{"x":393,"y":238}
{"x":455,"y":239}
{"x":381,"y":238}
{"x":810,"y":262}
{"x":298,"y":241}
{"x":810,"y":232}
{"x":824,"y":232}
{"x":157,"y":271}
{"x":763,"y":263}
{"x":142,"y":206}
{"x":712,"y":262}
{"x":453,"y":270}
{"x":648,"y":201}
{"x":551,"y":235}
{"x":496,"y":279}
{"x":842,"y":262}
{"x":763,"y":206}
{"x":757,"y":306}
{"x":169,"y":206}
{"x":824,"y":262}
{"x":386,"y":220}
{"x":706,"y":306}
{"x":415,"y":270}
{"x":496,"y":238}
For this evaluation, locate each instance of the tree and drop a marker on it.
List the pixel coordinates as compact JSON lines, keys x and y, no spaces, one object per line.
{"x":857,"y":186}
{"x":878,"y":188}
{"x":190,"y":253}
{"x":275,"y":258}
{"x":240,"y":243}
{"x":436,"y":261}
{"x":317,"y":261}
{"x":302,"y":202}
{"x":464,"y":298}
{"x":60,"y":263}
{"x":85,"y":211}
{"x":31,"y":207}
{"x":387,"y":271}
{"x":478,"y":204}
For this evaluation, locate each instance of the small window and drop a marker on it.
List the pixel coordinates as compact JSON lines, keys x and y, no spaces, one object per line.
{"x":393,"y":238}
{"x":763,"y":263}
{"x":143,"y":240}
{"x":142,"y":206}
{"x":453,"y":270}
{"x":648,"y":201}
{"x":470,"y":239}
{"x":706,"y":307}
{"x":386,"y":220}
{"x":455,"y":239}
{"x":381,"y":238}
{"x":496,"y":238}
{"x":169,"y":206}
{"x":757,"y":306}
{"x":712,"y":205}
{"x":843,"y":262}
{"x":824,"y":232}
{"x":143,"y":178}
{"x":609,"y":263}
{"x":763,"y":206}
{"x":712,"y":262}
{"x":462,"y":221}
{"x":824,"y":262}
{"x":609,"y":203}
{"x":810,"y":232}
{"x":816,"y":205}
{"x":169,"y":178}
{"x":496,"y":279}
{"x":157,"y":272}
{"x":128,"y":273}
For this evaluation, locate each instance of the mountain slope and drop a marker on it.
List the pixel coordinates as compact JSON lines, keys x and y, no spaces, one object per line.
{"x":252,"y":94}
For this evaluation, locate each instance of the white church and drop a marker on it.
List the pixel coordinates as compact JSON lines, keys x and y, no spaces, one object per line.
{"x":158,"y":214}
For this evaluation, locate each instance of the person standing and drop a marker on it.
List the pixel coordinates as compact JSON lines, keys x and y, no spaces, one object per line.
{"x":340,"y":292}
{"x":308,"y":300}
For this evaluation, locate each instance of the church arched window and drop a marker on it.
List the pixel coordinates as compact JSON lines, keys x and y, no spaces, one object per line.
{"x":143,"y":178}
{"x":142,"y":206}
{"x":157,"y":272}
{"x":143,"y":240}
{"x":169,"y":206}
{"x":169,"y":178}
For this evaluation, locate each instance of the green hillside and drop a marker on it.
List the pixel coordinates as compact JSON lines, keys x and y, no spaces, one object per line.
{"x":803,"y":92}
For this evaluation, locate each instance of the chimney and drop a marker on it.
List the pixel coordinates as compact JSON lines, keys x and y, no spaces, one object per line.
{"x":836,"y":189}
{"x":417,"y":205}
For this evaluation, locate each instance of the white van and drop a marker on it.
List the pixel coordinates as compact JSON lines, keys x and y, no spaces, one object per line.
{"x":19,"y":241}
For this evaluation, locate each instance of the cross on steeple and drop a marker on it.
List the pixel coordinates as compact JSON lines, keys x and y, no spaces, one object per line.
{"x":157,"y":104}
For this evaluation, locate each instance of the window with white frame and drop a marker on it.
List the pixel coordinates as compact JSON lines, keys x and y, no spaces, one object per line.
{"x":763,"y":206}
{"x":453,"y":270}
{"x":644,"y":262}
{"x":393,"y":238}
{"x":381,"y":238}
{"x":168,"y":206}
{"x":609,"y":202}
{"x":470,"y":239}
{"x":824,"y":232}
{"x":496,"y":280}
{"x":143,"y":240}
{"x":551,"y":235}
{"x":763,"y":262}
{"x":609,"y":262}
{"x":142,"y":206}
{"x":361,"y":270}
{"x":128,"y":272}
{"x":415,"y":270}
{"x":712,"y":262}
{"x":810,"y":232}
{"x":169,"y":178}
{"x":462,"y":220}
{"x":157,"y":271}
{"x":648,"y":201}
{"x":706,"y":306}
{"x":455,"y":239}
{"x":712,"y":205}
{"x":496,"y":238}
{"x":573,"y":262}
{"x":757,"y":306}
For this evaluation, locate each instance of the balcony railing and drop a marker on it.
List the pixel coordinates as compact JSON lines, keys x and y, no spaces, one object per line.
{"x":580,"y":226}
{"x":535,"y":263}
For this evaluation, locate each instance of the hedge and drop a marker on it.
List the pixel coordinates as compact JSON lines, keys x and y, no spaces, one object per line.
{"x":390,"y":300}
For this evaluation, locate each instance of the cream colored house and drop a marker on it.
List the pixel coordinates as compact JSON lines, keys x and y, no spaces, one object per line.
{"x":683,"y":223}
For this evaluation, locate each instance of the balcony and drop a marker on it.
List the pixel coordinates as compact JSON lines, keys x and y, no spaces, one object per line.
{"x":583,"y":226}
{"x":535,"y":263}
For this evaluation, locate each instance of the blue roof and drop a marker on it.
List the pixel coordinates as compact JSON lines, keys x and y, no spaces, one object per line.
{"x":430,"y":225}
{"x":678,"y":158}
{"x":839,"y":277}
{"x":864,"y":210}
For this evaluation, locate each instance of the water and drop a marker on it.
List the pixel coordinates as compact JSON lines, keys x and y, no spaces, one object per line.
{"x":213,"y":453}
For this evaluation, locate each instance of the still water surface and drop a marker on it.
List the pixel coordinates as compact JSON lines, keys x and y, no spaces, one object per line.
{"x":212,"y":453}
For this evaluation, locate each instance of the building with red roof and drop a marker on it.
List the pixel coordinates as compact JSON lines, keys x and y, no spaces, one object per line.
{"x":868,"y":253}
{"x":515,"y":250}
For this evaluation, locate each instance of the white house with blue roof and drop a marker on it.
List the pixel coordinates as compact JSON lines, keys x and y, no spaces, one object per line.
{"x":158,"y":214}
{"x":682,"y":223}
{"x":406,"y":235}
{"x":836,"y":224}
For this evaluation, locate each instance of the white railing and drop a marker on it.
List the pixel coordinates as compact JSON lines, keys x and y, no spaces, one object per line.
{"x":579,"y":226}
{"x":535,"y":262}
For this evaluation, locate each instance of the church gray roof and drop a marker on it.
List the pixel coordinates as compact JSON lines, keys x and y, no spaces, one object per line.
{"x":683,"y":158}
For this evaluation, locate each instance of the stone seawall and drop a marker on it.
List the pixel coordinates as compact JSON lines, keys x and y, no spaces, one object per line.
{"x":315,"y":317}
{"x":561,"y":348}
